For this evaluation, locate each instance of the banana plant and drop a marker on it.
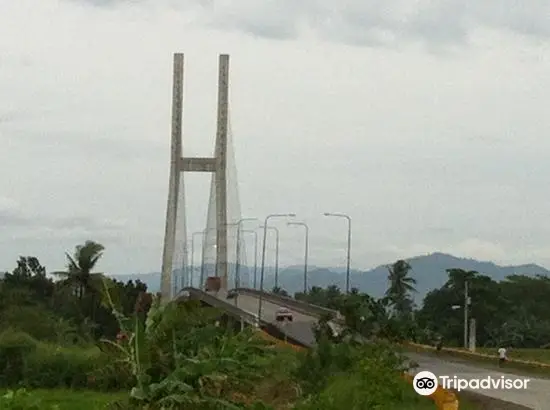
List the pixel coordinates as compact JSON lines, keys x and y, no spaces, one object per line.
{"x":133,"y":348}
{"x":180,"y":359}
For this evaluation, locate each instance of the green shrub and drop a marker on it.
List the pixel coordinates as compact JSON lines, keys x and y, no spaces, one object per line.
{"x":25,"y":361}
{"x":367,"y":389}
{"x":374,"y":382}
{"x":317,"y":365}
{"x":75,"y":367}
{"x":348,"y":376}
{"x":15,"y":348}
{"x":22,"y":400}
{"x":112,"y":375}
{"x":53,"y":366}
{"x":38,"y":323}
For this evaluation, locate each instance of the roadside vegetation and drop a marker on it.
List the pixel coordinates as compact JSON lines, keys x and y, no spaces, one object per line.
{"x":86,"y":341}
{"x":76,"y":338}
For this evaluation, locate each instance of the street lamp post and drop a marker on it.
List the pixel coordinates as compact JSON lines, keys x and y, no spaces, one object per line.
{"x":466,"y":305}
{"x":255,"y":255}
{"x":467,"y":302}
{"x":306,"y":250}
{"x":193,"y":256}
{"x":238,"y":278}
{"x":203,"y":246}
{"x":238,"y":256}
{"x":274,"y":229}
{"x":201,"y":285}
{"x":340,"y":215}
{"x":262,"y":270}
{"x":187,"y":270}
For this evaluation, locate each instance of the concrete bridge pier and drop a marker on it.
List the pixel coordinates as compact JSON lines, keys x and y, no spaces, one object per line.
{"x":179,"y":164}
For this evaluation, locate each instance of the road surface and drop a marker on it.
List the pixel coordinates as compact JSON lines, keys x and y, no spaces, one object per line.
{"x":536,"y":396}
{"x":299,"y":329}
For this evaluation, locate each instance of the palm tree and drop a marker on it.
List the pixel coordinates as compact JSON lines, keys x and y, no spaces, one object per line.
{"x":400,"y":287}
{"x":458,"y":277}
{"x":79,"y":275}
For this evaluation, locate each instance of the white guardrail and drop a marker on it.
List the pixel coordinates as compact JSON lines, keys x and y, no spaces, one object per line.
{"x":297,"y":305}
{"x":214,"y":301}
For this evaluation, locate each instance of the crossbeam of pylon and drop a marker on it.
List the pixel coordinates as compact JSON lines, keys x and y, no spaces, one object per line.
{"x":179,"y":164}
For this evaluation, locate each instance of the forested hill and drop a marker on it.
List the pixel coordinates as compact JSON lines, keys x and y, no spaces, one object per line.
{"x":428,"y":270}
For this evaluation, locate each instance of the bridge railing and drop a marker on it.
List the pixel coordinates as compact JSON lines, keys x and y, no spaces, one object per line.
{"x":230,"y":308}
{"x":296,"y":305}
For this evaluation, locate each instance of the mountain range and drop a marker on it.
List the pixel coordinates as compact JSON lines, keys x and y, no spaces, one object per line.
{"x":428,"y":270}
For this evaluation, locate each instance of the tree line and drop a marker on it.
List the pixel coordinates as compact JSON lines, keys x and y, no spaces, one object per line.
{"x":67,"y":306}
{"x":70,"y":304}
{"x":512,"y":312}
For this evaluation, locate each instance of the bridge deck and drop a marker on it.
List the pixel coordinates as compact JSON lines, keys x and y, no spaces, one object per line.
{"x":299,"y":329}
{"x":245,"y":305}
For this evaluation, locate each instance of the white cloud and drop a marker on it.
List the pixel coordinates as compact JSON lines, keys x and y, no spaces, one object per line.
{"x":480,"y":249}
{"x":419,"y":148}
{"x":8,"y":205}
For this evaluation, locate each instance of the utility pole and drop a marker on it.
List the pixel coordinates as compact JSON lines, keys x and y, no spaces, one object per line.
{"x":276,"y":230}
{"x":306,"y":250}
{"x":238,"y":256}
{"x":262,"y":271}
{"x":348,"y":253}
{"x":466,"y":303}
{"x":255,"y":254}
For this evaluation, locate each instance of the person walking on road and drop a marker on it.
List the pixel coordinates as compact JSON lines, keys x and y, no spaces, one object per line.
{"x":439,"y":343}
{"x":502,"y":356}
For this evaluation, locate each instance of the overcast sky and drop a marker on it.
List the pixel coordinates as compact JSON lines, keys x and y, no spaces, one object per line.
{"x":426,"y":121}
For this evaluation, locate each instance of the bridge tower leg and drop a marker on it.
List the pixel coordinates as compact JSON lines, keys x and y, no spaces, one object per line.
{"x":179,"y":164}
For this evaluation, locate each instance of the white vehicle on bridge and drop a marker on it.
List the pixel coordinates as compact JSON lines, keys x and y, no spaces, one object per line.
{"x":232,"y":294}
{"x":283,"y":314}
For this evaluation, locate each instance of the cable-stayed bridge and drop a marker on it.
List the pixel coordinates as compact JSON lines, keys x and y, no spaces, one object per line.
{"x":224,"y":247}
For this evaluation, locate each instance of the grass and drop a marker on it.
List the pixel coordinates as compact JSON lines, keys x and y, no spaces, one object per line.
{"x":278,"y":391}
{"x":91,"y":400}
{"x":67,"y":399}
{"x":466,"y":404}
{"x":73,"y":399}
{"x":424,"y":404}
